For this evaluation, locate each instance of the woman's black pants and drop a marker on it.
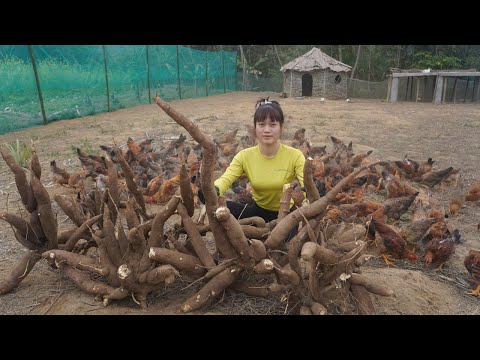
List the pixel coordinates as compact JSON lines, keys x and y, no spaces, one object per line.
{"x":242,"y":211}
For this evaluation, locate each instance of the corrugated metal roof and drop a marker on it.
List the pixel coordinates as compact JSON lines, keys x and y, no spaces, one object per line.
{"x":315,"y":59}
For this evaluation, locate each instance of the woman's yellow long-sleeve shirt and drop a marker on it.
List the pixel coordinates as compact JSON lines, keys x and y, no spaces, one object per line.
{"x":266,"y":175}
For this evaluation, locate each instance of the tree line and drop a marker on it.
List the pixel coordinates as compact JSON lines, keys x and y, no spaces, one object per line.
{"x":368,"y":62}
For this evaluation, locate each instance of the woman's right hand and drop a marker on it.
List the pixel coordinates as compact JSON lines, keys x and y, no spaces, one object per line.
{"x":201,"y":197}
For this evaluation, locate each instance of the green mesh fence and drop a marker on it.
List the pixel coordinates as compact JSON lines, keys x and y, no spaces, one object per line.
{"x":73,"y":79}
{"x":19,"y":106}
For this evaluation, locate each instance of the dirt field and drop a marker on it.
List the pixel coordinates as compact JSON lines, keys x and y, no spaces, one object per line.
{"x":447,"y":133}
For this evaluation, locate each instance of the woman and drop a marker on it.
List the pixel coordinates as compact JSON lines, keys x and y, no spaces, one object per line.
{"x":268,"y":165}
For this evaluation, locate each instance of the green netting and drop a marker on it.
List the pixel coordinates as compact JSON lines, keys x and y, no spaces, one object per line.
{"x":127,"y":75}
{"x":230,"y":63}
{"x":193,"y":65}
{"x":19,"y":106}
{"x":73,"y":81}
{"x":164,"y":71}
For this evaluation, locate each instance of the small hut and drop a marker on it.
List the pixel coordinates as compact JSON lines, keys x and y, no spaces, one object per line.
{"x":315,"y":74}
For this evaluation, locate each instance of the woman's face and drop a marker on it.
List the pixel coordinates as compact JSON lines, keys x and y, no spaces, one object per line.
{"x":268,"y":132}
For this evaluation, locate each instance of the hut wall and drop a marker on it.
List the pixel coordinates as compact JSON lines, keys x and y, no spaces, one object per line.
{"x":324,"y":84}
{"x":329,"y":88}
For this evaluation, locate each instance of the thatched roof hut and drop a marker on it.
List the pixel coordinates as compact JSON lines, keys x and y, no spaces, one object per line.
{"x":315,"y":74}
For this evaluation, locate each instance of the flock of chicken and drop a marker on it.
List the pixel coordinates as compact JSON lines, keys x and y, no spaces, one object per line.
{"x":405,"y":184}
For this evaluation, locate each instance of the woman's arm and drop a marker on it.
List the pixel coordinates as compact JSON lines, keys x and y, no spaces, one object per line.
{"x":299,"y":165}
{"x":233,"y":172}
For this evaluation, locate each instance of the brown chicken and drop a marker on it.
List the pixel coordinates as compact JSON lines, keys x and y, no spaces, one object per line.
{"x":349,"y":211}
{"x":406,"y":167}
{"x":133,"y":146}
{"x":93,"y":165}
{"x":414,"y":231}
{"x":192,"y":158}
{"x":358,"y":159}
{"x":154,"y":184}
{"x":351,"y":197}
{"x":440,"y":229}
{"x":228,"y":149}
{"x":452,"y":178}
{"x":228,"y":137}
{"x":337,"y":143}
{"x":366,"y":207}
{"x":425,"y":167}
{"x":473,"y":192}
{"x":433,"y":178}
{"x":59,"y":176}
{"x":317,"y":150}
{"x":396,"y":188}
{"x":146,"y":145}
{"x":391,"y":168}
{"x":393,"y":243}
{"x":246,"y":141}
{"x":394,"y":208}
{"x":457,"y":199}
{"x":304,"y":147}
{"x":375,"y":179}
{"x":349,"y":151}
{"x":472,"y":263}
{"x":438,"y":250}
{"x":299,"y":134}
{"x":379,"y":215}
{"x":297,"y":194}
{"x":318,"y":167}
{"x":64,"y":178}
{"x":166,"y":191}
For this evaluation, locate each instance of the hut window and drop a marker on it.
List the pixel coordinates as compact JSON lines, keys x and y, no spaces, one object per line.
{"x":338,"y":78}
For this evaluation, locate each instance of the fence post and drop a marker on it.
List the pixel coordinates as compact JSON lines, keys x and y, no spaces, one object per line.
{"x":206,"y":72}
{"x":178,"y":73}
{"x":394,"y":90}
{"x":37,"y":81}
{"x":438,"y":93}
{"x":466,"y":89}
{"x":148,"y":78}
{"x":106,"y":76}
{"x":223,"y":71}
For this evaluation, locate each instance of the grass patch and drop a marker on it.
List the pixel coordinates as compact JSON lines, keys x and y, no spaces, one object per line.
{"x":21,"y":152}
{"x":86,"y":146}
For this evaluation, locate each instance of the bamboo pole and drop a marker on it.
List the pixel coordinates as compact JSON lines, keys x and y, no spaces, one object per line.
{"x":37,"y":81}
{"x":148,"y":76}
{"x":178,"y":75}
{"x":106,"y":76}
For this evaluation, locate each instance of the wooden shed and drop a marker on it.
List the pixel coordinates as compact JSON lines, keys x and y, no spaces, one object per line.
{"x":428,"y":85}
{"x":315,"y":74}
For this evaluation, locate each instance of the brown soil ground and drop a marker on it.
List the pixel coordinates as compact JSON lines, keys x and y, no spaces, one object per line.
{"x":448,"y":133}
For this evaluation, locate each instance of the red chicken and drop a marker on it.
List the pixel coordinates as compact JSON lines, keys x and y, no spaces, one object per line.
{"x":393,"y":243}
{"x":473,"y":192}
{"x":472,"y":263}
{"x":438,"y":250}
